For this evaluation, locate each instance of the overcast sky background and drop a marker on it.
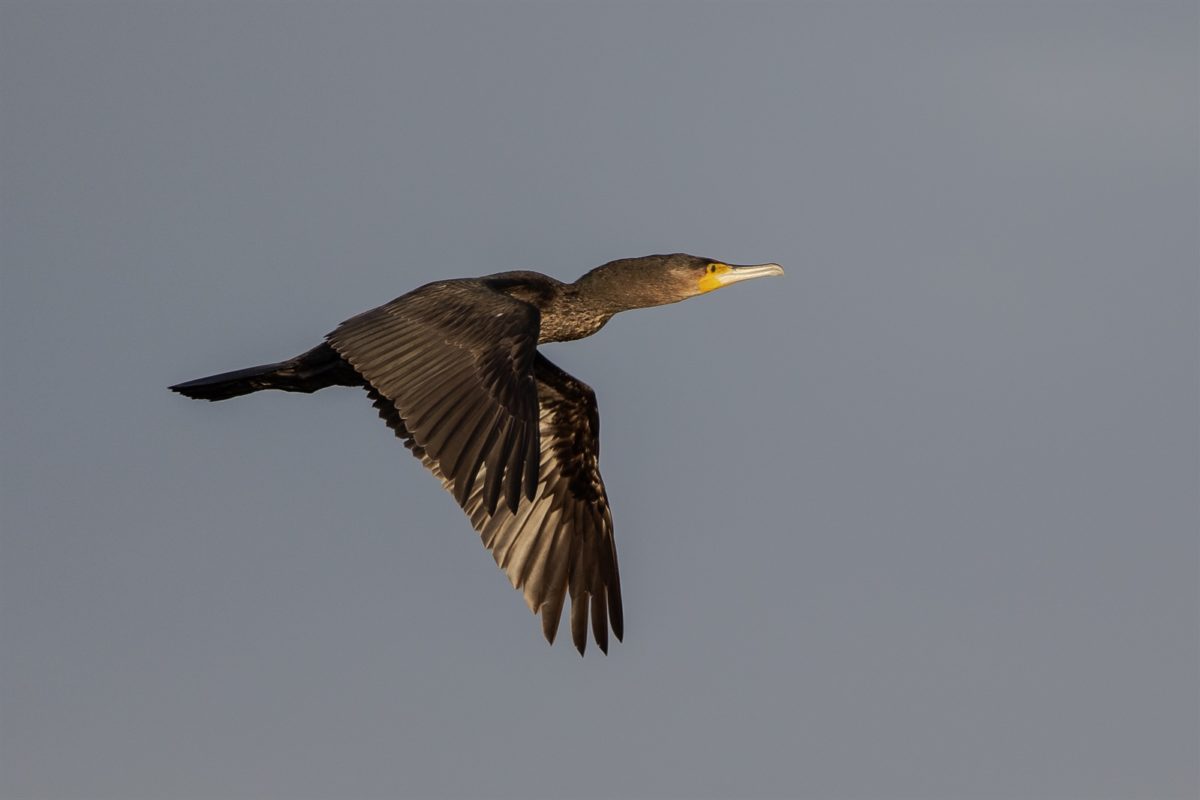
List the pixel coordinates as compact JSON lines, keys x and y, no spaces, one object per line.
{"x":918,"y":520}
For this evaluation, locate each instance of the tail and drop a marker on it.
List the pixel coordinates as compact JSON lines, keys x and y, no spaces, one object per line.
{"x":316,"y":369}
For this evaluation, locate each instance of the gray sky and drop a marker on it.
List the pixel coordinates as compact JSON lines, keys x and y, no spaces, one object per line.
{"x":917,"y":521}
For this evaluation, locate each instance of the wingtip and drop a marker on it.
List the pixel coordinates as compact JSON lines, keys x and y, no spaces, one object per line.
{"x":548,"y":633}
{"x":579,"y":620}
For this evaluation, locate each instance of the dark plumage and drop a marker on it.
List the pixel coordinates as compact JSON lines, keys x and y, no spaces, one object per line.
{"x":453,"y":369}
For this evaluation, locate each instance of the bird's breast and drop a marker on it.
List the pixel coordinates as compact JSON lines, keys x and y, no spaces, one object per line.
{"x":566,"y":324}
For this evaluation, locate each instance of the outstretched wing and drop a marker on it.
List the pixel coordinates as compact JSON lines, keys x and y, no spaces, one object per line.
{"x":559,"y":541}
{"x":455,"y":362}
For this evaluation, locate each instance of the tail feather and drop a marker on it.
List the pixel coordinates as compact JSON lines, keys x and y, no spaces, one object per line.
{"x":316,"y":369}
{"x":230,"y":384}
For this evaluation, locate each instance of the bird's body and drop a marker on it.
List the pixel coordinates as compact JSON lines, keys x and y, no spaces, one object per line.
{"x":565,"y":315}
{"x":453,"y":369}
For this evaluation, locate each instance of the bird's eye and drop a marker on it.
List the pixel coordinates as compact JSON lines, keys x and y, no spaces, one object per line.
{"x":712,"y":267}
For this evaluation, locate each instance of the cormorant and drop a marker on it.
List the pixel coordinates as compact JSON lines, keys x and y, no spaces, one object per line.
{"x":454,"y":370}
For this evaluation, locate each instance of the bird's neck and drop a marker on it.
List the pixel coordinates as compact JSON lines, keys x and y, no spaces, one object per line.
{"x":609,"y":294}
{"x":626,"y":284}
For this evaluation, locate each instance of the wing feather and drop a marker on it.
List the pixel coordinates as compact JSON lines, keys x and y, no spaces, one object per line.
{"x":560,"y":540}
{"x":450,"y":357}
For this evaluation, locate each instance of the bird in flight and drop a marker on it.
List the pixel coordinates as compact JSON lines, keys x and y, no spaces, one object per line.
{"x":453,"y":368}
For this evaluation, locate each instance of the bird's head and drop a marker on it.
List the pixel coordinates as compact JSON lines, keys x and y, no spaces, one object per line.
{"x":661,"y":279}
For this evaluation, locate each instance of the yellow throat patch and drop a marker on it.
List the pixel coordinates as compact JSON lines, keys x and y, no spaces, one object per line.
{"x":711,"y":279}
